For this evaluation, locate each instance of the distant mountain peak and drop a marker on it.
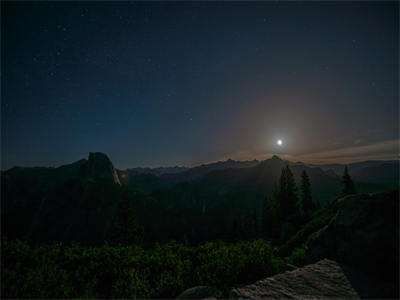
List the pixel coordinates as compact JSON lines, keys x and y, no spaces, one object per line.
{"x":276,"y":157}
{"x":97,"y":154}
{"x":100,"y":166}
{"x":275,"y":160}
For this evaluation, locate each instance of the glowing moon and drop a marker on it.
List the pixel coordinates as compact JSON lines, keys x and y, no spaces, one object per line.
{"x":279,"y":142}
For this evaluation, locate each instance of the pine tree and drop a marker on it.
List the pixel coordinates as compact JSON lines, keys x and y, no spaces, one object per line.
{"x":287,"y":196}
{"x":269,"y":215}
{"x":248,"y":227}
{"x":255,"y":223}
{"x":348,"y":185}
{"x":291,"y":191}
{"x":235,"y":229}
{"x":126,"y":230}
{"x":306,"y":196}
{"x":264,"y":216}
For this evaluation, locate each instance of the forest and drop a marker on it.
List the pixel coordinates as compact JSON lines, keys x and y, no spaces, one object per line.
{"x":131,"y":263}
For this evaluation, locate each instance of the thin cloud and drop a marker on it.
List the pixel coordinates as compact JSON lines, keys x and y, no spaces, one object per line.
{"x":381,"y":150}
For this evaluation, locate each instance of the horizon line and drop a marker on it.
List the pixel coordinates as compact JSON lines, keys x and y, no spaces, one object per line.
{"x":284,"y":157}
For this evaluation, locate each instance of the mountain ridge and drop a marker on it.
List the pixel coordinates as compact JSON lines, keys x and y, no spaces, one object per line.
{"x":78,"y":201}
{"x":365,"y":171}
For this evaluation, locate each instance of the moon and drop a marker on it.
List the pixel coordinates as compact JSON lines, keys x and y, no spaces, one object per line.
{"x":279,"y":142}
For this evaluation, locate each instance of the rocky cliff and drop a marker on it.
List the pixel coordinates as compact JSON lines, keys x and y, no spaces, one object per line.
{"x":322,"y":280}
{"x":355,"y":256}
{"x":100,"y":166}
{"x":364,"y":234}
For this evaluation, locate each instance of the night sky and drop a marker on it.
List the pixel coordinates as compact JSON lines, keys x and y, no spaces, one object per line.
{"x":159,"y":84}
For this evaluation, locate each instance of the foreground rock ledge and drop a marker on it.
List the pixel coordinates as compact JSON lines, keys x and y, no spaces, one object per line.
{"x":201,"y":292}
{"x":322,"y":280}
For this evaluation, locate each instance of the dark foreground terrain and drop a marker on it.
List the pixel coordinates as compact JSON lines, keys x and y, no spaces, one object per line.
{"x":359,"y":234}
{"x":89,"y":230}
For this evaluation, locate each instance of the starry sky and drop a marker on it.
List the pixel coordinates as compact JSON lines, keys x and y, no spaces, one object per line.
{"x":183,"y":83}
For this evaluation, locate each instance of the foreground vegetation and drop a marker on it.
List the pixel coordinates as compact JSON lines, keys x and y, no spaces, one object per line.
{"x":70,"y":271}
{"x":130,"y":265}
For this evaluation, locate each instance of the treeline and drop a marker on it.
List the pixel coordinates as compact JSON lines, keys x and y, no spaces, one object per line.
{"x":285,"y":210}
{"x":125,"y":267}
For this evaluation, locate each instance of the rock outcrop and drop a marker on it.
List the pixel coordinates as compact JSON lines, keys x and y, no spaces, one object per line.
{"x":364,"y":234}
{"x":322,"y":280}
{"x":200,"y":292}
{"x":359,"y":249}
{"x":100,"y":166}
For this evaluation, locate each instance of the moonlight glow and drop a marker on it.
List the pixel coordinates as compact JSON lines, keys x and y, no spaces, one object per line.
{"x":279,"y":142}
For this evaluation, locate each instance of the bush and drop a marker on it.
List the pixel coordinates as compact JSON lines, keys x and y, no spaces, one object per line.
{"x":298,"y":257}
{"x":73,"y":271}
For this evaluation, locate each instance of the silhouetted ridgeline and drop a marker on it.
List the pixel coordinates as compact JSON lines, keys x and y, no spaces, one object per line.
{"x":79,"y":201}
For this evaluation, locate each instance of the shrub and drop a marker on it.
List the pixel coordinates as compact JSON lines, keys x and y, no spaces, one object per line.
{"x":73,"y":271}
{"x":298,"y":256}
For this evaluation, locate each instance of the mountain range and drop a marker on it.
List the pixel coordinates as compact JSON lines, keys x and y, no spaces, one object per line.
{"x":79,"y":201}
